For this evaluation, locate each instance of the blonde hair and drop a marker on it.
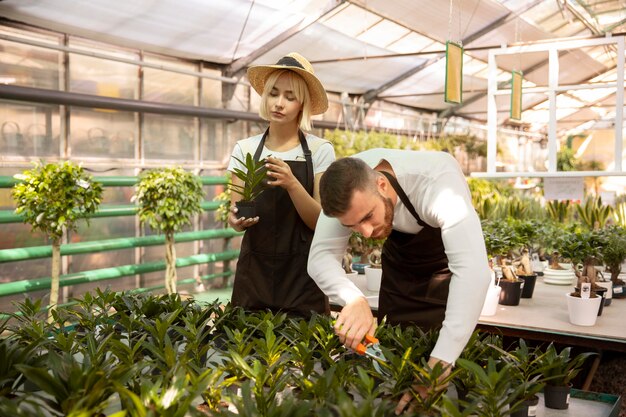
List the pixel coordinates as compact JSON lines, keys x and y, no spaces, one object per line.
{"x":300,"y":90}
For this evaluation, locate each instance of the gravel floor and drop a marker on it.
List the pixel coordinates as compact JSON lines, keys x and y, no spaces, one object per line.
{"x":611,"y":377}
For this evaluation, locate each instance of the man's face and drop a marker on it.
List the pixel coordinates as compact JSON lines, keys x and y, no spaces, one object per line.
{"x":370,"y":214}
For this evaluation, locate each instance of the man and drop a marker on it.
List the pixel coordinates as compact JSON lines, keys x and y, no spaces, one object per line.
{"x":435,"y":269}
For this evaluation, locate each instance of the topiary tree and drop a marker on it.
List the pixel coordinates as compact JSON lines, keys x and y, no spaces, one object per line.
{"x":52,"y":198}
{"x":167,"y":199}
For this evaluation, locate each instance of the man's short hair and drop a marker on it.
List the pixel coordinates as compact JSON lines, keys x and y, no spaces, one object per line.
{"x":341,"y":179}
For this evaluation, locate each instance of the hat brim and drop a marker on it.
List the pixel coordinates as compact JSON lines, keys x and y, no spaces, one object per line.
{"x":258,"y":74}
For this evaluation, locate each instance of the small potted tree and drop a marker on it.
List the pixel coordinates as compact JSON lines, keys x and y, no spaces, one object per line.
{"x":252,"y":184}
{"x":500,"y":240}
{"x":167,"y":199}
{"x":374,"y":270}
{"x":613,"y":254}
{"x":527,"y":232}
{"x":52,"y":198}
{"x":585,"y":303}
{"x":558,"y":272}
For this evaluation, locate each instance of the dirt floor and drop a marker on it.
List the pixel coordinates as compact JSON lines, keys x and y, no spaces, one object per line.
{"x":611,"y":377}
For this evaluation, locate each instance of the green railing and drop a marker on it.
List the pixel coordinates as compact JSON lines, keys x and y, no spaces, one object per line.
{"x":96,"y":246}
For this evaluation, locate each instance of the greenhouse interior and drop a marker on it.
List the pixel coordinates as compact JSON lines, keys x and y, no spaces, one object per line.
{"x":438,"y":194}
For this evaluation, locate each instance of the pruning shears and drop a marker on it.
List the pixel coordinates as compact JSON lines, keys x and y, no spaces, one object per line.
{"x":370,"y":347}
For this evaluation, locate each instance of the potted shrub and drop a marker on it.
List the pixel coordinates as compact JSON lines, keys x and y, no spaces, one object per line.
{"x":500,"y":240}
{"x":252,"y":184}
{"x":374,"y":271}
{"x":526,"y":371}
{"x":52,"y":198}
{"x":527,"y":232}
{"x":613,"y":254}
{"x":557,"y":272}
{"x":585,"y":303}
{"x":558,"y":370}
{"x":167,"y":199}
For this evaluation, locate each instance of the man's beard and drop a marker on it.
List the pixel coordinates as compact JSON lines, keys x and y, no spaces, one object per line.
{"x":385,"y":231}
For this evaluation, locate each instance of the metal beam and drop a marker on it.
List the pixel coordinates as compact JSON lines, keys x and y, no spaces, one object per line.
{"x":241,"y":63}
{"x":373,"y":94}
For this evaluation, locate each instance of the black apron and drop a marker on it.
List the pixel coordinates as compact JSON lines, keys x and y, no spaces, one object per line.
{"x":272,"y":267}
{"x":416,"y":278}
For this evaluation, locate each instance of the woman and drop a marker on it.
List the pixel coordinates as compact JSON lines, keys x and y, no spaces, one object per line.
{"x":272,"y":266}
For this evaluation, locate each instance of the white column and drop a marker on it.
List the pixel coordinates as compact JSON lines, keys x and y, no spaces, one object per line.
{"x":553,"y":83}
{"x":492,"y":113}
{"x":619,"y":105}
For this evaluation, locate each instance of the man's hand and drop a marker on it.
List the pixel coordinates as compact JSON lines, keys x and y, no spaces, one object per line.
{"x":407,"y":398}
{"x":354,"y":322}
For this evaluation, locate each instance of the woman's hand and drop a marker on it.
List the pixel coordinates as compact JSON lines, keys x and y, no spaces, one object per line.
{"x":240,"y":223}
{"x":280,"y":173}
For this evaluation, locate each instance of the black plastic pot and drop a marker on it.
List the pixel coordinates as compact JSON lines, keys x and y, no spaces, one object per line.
{"x":556,"y":396}
{"x":619,"y":291}
{"x":246,"y":209}
{"x":529,"y":408}
{"x":511,"y":292}
{"x":529,"y":285}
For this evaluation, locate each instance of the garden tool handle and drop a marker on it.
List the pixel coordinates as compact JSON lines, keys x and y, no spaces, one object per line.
{"x":362,"y":347}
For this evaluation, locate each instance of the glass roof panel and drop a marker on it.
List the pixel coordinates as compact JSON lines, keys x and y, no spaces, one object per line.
{"x":591,"y":95}
{"x":412,"y":42}
{"x":351,"y":20}
{"x":383,"y":33}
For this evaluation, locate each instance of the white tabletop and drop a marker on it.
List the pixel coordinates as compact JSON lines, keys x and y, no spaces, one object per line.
{"x":546,"y":312}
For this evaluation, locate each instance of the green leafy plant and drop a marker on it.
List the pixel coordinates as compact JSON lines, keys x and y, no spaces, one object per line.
{"x":613,"y":251}
{"x":495,"y":393}
{"x":559,"y":211}
{"x":592,"y":213}
{"x":252,"y":178}
{"x":52,"y":198}
{"x":168,"y":198}
{"x":526,"y":367}
{"x":559,"y":368}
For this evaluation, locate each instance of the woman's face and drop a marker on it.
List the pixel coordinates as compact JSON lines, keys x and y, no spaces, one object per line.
{"x":283,"y":106}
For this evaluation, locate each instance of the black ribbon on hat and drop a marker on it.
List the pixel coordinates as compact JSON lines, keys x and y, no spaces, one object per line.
{"x":288,"y":61}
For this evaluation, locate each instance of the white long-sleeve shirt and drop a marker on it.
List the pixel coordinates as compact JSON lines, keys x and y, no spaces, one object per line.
{"x":436,"y":187}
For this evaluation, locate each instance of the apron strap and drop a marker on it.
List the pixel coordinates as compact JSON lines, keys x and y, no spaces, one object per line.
{"x":403,"y":197}
{"x":309,"y":162}
{"x":307,"y":156}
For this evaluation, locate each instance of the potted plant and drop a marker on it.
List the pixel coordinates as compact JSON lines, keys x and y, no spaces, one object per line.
{"x":557,"y":272}
{"x":252,"y":179}
{"x":495,"y":393}
{"x":526,"y":371}
{"x":527,"y":232}
{"x":374,"y":271}
{"x":500,"y":240}
{"x":167,"y":199}
{"x":52,"y":198}
{"x":613,"y":254}
{"x":585,"y":303}
{"x":558,"y":370}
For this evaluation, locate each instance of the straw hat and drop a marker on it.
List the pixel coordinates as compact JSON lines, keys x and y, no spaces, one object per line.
{"x":257,"y":75}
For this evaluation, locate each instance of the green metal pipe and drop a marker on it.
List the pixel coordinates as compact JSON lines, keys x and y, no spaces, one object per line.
{"x":7,"y":181}
{"x":25,"y":286}
{"x":139,"y":290}
{"x":36,"y":252}
{"x":9,"y":216}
